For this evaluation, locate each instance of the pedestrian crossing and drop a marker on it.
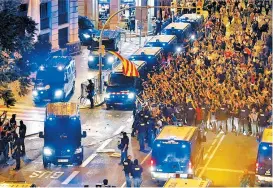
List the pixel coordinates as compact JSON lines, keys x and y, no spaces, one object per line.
{"x":25,"y":113}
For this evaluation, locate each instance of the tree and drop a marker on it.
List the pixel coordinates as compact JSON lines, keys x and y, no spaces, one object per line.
{"x":17,"y":34}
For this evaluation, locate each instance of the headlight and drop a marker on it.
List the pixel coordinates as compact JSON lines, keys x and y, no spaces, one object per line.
{"x":35,"y":93}
{"x":90,"y":58}
{"x":78,"y":150}
{"x":47,"y":152}
{"x":58,"y":93}
{"x":179,"y":49}
{"x":192,"y":37}
{"x":111,"y":59}
{"x":87,"y":36}
{"x":131,"y":95}
{"x":107,"y":96}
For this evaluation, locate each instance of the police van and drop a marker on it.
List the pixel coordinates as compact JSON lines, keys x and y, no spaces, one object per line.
{"x":167,"y":42}
{"x":55,"y":80}
{"x":62,"y":135}
{"x":181,"y":30}
{"x":178,"y":182}
{"x":196,"y":20}
{"x":263,"y":175}
{"x":109,"y":61}
{"x":111,"y":41}
{"x":151,"y":55}
{"x":122,"y":90}
{"x":176,"y":153}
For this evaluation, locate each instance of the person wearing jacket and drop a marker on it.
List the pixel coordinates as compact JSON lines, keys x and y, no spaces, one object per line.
{"x":243,"y":118}
{"x":221,"y":117}
{"x":137,"y":173}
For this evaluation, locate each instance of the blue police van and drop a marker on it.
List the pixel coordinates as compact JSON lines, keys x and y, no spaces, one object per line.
{"x":196,"y":20}
{"x":86,"y":30}
{"x":151,"y":55}
{"x":176,"y":153}
{"x":55,"y":80}
{"x":181,"y":30}
{"x":109,"y":61}
{"x":110,"y":40}
{"x":62,"y":135}
{"x":167,"y":42}
{"x":122,"y":90}
{"x":263,"y":176}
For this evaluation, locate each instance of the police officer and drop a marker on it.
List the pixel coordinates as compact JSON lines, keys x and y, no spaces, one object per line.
{"x":22,"y":134}
{"x":91,"y":92}
{"x":221,"y":117}
{"x":205,"y":113}
{"x":4,"y":146}
{"x":151,"y":131}
{"x":127,"y":168}
{"x":190,"y":114}
{"x":136,"y":172}
{"x":17,"y":151}
{"x":243,"y":118}
{"x":124,"y":147}
{"x":262,"y":122}
{"x":137,"y":118}
{"x":141,"y":131}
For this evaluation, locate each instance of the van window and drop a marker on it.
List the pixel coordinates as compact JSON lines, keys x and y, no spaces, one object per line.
{"x":265,"y":159}
{"x":165,"y":152}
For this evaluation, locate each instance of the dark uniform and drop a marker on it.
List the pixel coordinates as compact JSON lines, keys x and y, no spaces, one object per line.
{"x":136,"y":172}
{"x":141,"y":128}
{"x":91,"y":92}
{"x":151,"y":131}
{"x":243,"y":119}
{"x":127,"y":164}
{"x":221,"y":117}
{"x":22,"y":134}
{"x":190,"y":114}
{"x":17,"y":152}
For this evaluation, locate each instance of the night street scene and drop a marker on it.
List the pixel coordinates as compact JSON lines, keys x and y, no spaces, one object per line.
{"x":136,"y":93}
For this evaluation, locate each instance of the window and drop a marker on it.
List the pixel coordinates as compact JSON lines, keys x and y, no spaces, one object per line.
{"x":44,"y":16}
{"x":44,"y":38}
{"x":63,"y":11}
{"x":63,"y":37}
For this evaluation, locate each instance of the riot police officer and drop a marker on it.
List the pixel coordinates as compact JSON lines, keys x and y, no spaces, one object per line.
{"x":151,"y":131}
{"x":91,"y":92}
{"x":190,"y":114}
{"x":127,"y":168}
{"x":137,"y":172}
{"x":141,"y":131}
{"x":17,"y":151}
{"x":137,"y":118}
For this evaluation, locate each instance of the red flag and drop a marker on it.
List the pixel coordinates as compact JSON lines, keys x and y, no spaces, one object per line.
{"x":129,"y":68}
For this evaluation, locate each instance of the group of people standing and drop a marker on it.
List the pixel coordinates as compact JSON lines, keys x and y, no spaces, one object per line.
{"x":12,"y":144}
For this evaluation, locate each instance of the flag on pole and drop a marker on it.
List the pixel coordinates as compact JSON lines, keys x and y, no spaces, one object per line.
{"x":129,"y":69}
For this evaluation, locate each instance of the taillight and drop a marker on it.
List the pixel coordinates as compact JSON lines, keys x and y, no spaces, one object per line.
{"x":152,"y":165}
{"x":257,"y":167}
{"x":152,"y":162}
{"x":190,"y":165}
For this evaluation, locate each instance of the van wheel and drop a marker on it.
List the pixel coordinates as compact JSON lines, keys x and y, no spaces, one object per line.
{"x":79,"y":163}
{"x":108,"y":107}
{"x":46,"y":164}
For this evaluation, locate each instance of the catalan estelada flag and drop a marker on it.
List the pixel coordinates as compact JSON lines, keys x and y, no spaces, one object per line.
{"x":129,"y":69}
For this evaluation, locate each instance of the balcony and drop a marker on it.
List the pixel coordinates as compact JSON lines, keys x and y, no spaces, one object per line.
{"x":44,"y":23}
{"x":63,"y":18}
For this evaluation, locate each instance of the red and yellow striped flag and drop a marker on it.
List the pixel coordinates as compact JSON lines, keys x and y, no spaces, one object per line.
{"x":128,"y":68}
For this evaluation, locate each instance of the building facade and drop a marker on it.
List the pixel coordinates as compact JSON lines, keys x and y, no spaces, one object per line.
{"x":57,"y":21}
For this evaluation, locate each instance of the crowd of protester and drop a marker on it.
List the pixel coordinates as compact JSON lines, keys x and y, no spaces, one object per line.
{"x":222,"y":81}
